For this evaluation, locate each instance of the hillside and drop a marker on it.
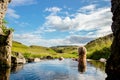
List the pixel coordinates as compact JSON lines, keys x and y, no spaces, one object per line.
{"x":99,"y":48}
{"x":66,"y":51}
{"x":40,"y":51}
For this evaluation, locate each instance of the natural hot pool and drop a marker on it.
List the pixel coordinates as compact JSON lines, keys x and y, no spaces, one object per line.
{"x":58,"y":70}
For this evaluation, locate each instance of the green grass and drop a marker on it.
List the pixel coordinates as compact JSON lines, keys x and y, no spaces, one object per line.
{"x":34,"y":51}
{"x":96,"y":49}
{"x":99,"y":48}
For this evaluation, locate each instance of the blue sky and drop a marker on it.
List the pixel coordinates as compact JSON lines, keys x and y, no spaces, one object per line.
{"x":59,"y":22}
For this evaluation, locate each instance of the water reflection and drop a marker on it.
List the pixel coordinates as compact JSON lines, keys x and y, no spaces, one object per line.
{"x":97,"y":64}
{"x":4,"y":73}
{"x":16,"y":68}
{"x":57,"y":70}
{"x":81,"y":68}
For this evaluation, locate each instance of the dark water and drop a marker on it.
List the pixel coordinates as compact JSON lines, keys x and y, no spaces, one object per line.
{"x":58,"y":70}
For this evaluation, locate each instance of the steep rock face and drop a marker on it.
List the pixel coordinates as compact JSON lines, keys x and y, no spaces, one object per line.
{"x":5,"y":49}
{"x":113,"y":63}
{"x":5,"y":39}
{"x":3,"y":8}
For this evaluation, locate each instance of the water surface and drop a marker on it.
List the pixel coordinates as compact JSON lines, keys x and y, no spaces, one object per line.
{"x":58,"y":70}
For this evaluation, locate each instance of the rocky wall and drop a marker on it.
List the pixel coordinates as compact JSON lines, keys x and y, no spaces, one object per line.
{"x":3,"y":9}
{"x":5,"y":38}
{"x":113,"y":63}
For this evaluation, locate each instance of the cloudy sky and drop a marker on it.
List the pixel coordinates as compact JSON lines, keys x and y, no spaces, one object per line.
{"x":59,"y":22}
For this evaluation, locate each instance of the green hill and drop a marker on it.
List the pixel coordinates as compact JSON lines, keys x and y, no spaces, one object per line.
{"x":40,"y":51}
{"x":99,"y":48}
{"x":19,"y":47}
{"x":31,"y":51}
{"x":66,"y":51}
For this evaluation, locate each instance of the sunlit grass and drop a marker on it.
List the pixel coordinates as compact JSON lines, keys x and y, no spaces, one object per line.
{"x":99,"y":48}
{"x":41,"y":52}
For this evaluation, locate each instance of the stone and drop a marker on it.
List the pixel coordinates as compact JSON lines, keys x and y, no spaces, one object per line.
{"x":82,"y":59}
{"x":49,"y":57}
{"x":37,"y":60}
{"x":61,"y":58}
{"x":33,"y":60}
{"x":102,"y":60}
{"x":113,"y":62}
{"x":18,"y":58}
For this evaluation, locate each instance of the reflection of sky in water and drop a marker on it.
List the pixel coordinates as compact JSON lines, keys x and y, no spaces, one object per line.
{"x":57,"y":70}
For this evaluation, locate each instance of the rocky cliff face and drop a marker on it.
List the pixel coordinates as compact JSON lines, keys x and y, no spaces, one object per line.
{"x":5,"y":38}
{"x":5,"y":49}
{"x":3,"y":8}
{"x":113,"y":63}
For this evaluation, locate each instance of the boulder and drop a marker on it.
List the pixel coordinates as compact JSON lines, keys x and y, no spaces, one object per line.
{"x":82,"y":59}
{"x":61,"y":58}
{"x":49,"y":57}
{"x":37,"y":60}
{"x":102,"y":60}
{"x":29,"y":60}
{"x":17,"y":58}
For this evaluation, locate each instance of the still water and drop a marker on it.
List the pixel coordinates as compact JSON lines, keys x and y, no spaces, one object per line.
{"x":58,"y":70}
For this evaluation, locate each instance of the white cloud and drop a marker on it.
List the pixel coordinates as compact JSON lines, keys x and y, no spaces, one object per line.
{"x":53,"y":10}
{"x":22,"y":2}
{"x":98,"y":19}
{"x":33,"y":39}
{"x":88,"y":8}
{"x":12,"y":13}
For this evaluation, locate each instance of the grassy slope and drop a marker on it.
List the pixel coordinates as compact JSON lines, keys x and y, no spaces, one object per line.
{"x":39,"y":51}
{"x":66,"y":51}
{"x":99,"y":48}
